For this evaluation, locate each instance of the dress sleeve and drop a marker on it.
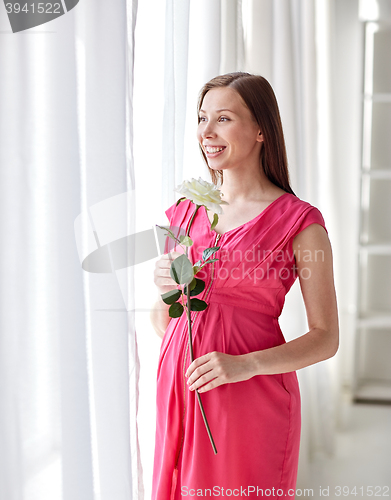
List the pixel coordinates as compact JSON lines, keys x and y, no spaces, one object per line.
{"x":178,"y":217}
{"x":313,"y":216}
{"x":170,"y":213}
{"x":169,"y":244}
{"x":310,"y":216}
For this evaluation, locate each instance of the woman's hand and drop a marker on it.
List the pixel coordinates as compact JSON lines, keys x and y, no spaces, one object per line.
{"x":159,"y":316}
{"x":217,"y":368}
{"x":162,"y":277}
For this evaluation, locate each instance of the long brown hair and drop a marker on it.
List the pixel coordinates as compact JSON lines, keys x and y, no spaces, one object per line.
{"x":260,"y":99}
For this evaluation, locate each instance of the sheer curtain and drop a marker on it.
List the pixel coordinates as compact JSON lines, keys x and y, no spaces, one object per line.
{"x":68,"y":357}
{"x":290,"y":43}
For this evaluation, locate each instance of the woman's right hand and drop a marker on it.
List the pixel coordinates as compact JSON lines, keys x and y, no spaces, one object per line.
{"x":162,"y":277}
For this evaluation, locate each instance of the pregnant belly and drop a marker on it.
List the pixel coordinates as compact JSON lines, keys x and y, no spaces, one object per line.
{"x":235,"y":331}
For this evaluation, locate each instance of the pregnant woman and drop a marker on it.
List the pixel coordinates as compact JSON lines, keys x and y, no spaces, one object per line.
{"x":243,"y":367}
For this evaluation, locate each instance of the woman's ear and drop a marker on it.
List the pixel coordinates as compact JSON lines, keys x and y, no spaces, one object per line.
{"x":260,"y":137}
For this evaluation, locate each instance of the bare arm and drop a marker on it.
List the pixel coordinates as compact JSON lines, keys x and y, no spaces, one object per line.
{"x":319,"y":343}
{"x":159,"y":316}
{"x":164,"y":283}
{"x":315,"y":267}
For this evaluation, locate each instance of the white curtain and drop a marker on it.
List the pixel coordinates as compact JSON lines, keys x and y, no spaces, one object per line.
{"x":68,"y":352}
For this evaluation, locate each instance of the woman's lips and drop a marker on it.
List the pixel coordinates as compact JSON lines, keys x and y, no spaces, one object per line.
{"x":211,"y":154}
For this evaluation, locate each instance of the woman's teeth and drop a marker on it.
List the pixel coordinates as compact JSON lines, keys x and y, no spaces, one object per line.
{"x":209,"y":149}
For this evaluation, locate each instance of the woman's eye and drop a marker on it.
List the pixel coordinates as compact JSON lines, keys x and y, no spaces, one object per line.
{"x":222,"y":118}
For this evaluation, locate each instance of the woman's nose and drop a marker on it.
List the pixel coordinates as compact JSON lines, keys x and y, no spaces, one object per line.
{"x":208,"y":130}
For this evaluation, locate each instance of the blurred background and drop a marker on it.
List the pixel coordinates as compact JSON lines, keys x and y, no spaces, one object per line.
{"x":97,"y":128}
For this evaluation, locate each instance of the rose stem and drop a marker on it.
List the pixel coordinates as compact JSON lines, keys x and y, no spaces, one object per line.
{"x":191,"y":343}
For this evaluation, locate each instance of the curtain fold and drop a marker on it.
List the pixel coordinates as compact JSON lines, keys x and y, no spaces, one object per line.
{"x":68,"y":351}
{"x":133,"y":351}
{"x":231,"y":36}
{"x":175,"y":95}
{"x":205,"y":56}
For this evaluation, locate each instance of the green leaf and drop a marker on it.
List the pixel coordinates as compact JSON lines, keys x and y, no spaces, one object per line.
{"x":181,"y":270}
{"x":197,"y":266}
{"x":171,"y":296}
{"x":185,"y":240}
{"x":192,"y":285}
{"x":175,"y":310}
{"x":215,"y":221}
{"x":180,"y":199}
{"x":208,"y":252}
{"x":171,"y":234}
{"x":197,"y":305}
{"x":211,"y":260}
{"x":197,"y":289}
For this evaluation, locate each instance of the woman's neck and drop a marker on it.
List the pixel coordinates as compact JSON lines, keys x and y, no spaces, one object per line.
{"x":238,"y":187}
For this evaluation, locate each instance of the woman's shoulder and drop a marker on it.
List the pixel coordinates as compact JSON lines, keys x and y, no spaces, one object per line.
{"x":306,"y":213}
{"x":177,"y":211}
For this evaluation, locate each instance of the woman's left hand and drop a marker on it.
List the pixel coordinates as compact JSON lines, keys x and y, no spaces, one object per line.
{"x":217,"y":368}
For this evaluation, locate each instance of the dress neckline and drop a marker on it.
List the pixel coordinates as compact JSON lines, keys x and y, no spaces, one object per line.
{"x":244,"y":224}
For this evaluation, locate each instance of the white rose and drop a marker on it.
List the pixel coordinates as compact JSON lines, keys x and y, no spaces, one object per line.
{"x":202,"y":193}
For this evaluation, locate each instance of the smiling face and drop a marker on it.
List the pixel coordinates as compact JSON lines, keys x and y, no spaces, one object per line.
{"x":227,"y":132}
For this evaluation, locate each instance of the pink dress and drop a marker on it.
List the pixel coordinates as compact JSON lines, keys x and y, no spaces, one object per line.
{"x":255,"y":423}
